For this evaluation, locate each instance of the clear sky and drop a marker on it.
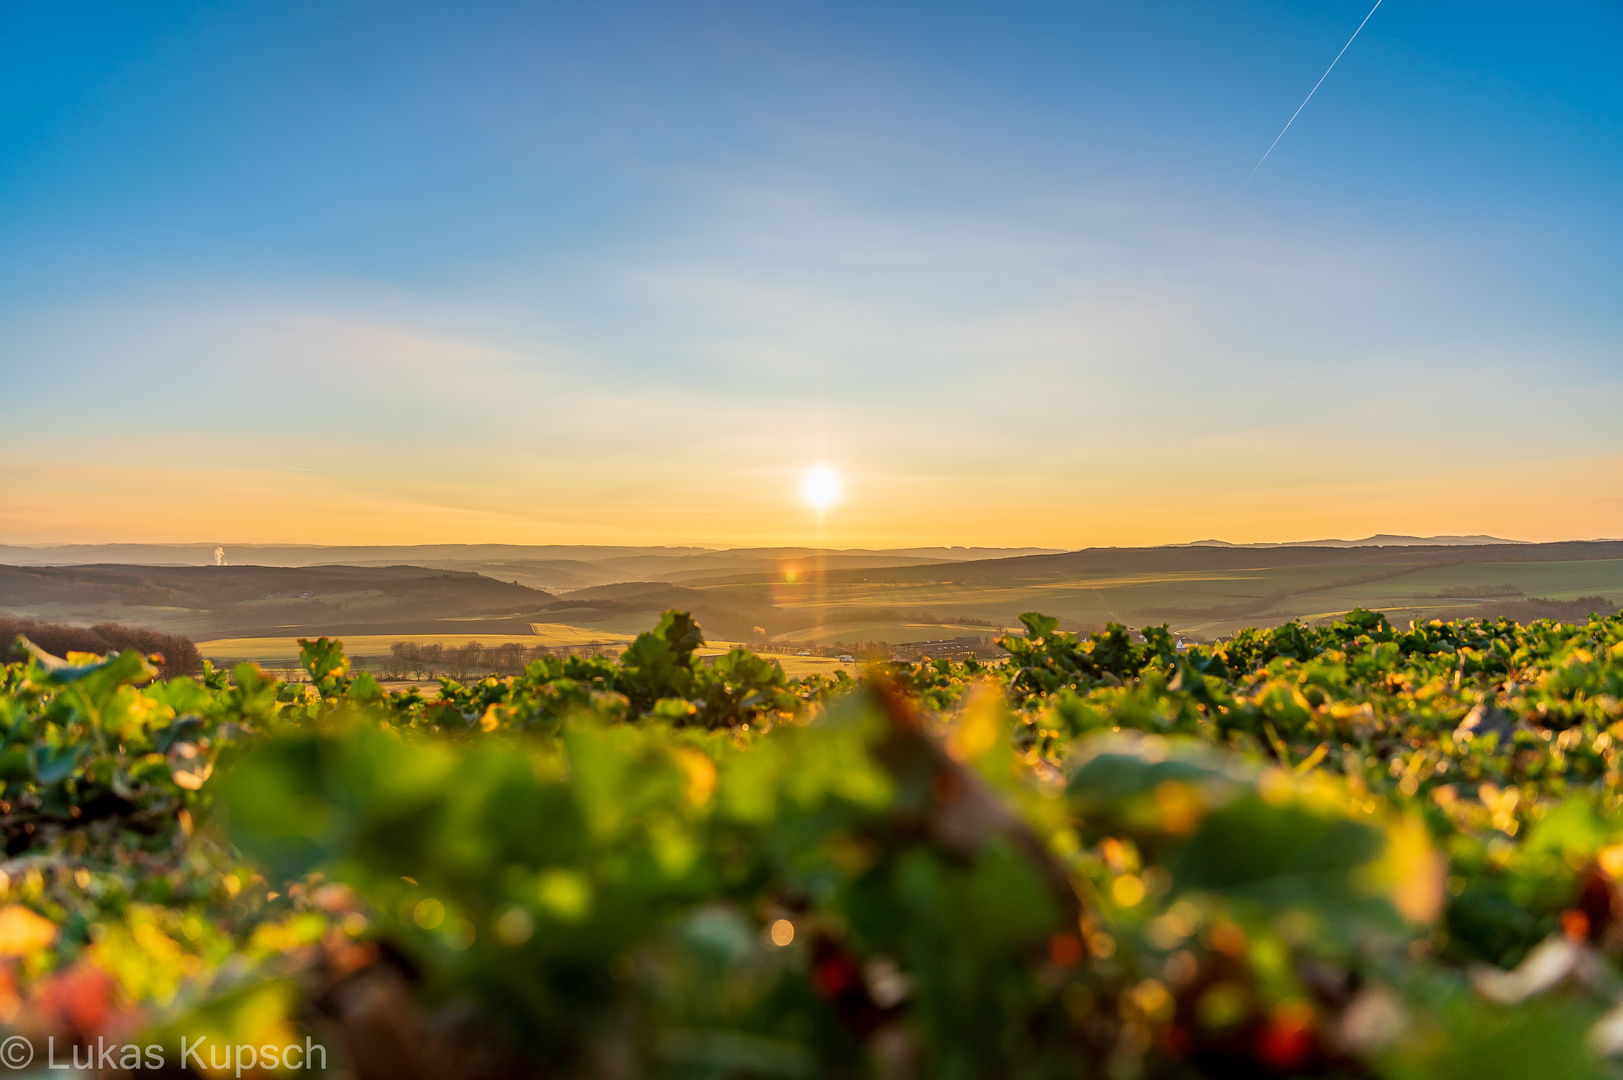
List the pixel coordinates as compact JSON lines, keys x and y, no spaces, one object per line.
{"x":620,"y":272}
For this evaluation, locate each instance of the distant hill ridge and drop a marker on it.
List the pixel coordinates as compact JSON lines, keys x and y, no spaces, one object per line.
{"x":1201,"y":589}
{"x":1213,"y":557}
{"x":1378,"y":540}
{"x":201,"y":554}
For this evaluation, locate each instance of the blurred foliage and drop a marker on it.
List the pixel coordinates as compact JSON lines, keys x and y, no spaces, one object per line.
{"x":1341,"y":850}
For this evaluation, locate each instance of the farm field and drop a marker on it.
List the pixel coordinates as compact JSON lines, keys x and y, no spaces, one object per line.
{"x":1350,"y":852}
{"x":375,"y":648}
{"x":1211,"y":603}
{"x":1200,"y":593}
{"x":894,"y":632}
{"x":587,"y":620}
{"x":283,"y":649}
{"x":800,"y":667}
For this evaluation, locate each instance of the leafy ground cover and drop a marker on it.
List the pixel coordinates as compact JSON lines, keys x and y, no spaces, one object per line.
{"x":1339,"y":851}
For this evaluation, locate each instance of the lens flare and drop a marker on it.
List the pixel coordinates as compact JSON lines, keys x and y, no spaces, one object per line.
{"x":820,"y":487}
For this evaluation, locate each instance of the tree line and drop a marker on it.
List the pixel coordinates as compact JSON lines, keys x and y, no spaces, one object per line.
{"x":180,"y":656}
{"x":428,"y":659}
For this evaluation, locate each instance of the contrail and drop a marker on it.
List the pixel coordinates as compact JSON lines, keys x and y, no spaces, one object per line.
{"x":1303,"y":105}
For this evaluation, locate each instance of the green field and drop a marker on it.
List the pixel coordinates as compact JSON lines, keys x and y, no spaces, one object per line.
{"x":1350,"y":852}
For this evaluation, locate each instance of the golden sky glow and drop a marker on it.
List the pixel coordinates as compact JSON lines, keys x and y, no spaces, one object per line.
{"x":531,"y":279}
{"x":315,"y":427}
{"x":715,"y":502}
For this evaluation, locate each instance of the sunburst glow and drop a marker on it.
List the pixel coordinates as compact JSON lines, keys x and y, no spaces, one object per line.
{"x":820,"y":487}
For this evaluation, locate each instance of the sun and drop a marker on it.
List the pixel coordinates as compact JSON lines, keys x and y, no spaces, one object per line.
{"x":820,"y":487}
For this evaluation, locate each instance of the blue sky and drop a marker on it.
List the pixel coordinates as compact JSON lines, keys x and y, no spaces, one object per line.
{"x":618,"y":272}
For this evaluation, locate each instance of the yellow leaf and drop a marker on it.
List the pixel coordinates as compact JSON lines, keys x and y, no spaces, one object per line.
{"x":1611,"y":860}
{"x":23,"y":933}
{"x":1308,"y":763}
{"x":701,"y":774}
{"x":1411,"y":871}
{"x":981,"y":725}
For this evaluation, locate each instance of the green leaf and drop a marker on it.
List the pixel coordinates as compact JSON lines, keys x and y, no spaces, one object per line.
{"x":54,"y":763}
{"x":364,"y":689}
{"x":1039,"y":625}
{"x":324,"y":659}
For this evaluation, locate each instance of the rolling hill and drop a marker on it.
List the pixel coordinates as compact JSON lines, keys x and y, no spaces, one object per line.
{"x":1200,"y":591}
